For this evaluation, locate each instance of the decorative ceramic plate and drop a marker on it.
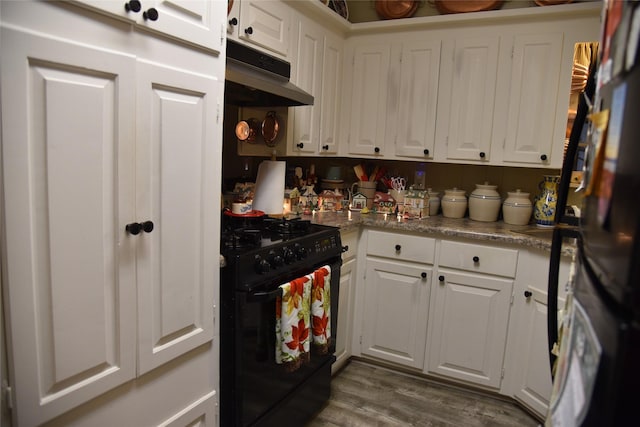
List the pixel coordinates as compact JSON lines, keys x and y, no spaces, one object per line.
{"x":340,"y":6}
{"x":395,"y":9}
{"x":250,"y":214}
{"x":463,"y":6}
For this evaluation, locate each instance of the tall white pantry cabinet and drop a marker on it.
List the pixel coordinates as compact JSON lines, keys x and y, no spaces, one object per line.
{"x":111,"y":136}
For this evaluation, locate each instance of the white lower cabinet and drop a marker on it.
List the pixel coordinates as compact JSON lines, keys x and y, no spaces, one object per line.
{"x":470,"y":312}
{"x":527,"y":364}
{"x":468,"y":327}
{"x":343,"y":339}
{"x":395,"y":311}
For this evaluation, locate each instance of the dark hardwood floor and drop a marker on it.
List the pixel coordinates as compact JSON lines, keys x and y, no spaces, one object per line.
{"x":364,"y":395}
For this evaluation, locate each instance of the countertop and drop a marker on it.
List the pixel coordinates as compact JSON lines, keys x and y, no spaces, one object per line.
{"x":529,"y":236}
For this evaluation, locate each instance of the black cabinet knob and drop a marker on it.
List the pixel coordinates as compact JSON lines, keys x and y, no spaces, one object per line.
{"x":151,"y":14}
{"x":398,"y":247}
{"x":248,"y":30}
{"x":527,"y":294}
{"x":426,"y":152}
{"x":147,"y":226}
{"x":476,"y":259}
{"x":482,"y":154}
{"x":441,"y":278}
{"x":325,"y":147}
{"x":233,"y":21}
{"x":300,"y":145}
{"x":423,"y":275}
{"x":377,"y":149}
{"x":345,"y":248}
{"x":133,"y":6}
{"x":543,"y":157}
{"x":136,"y":227}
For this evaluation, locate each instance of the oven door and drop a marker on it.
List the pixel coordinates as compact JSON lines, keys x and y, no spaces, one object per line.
{"x":266,"y":393}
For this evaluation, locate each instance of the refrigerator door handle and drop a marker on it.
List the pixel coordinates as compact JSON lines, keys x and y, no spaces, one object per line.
{"x":559,"y":233}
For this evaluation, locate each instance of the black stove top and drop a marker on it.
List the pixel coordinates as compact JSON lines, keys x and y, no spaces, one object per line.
{"x":275,"y":249}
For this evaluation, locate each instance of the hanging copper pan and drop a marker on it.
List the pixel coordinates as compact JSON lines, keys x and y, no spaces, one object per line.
{"x":270,"y":127}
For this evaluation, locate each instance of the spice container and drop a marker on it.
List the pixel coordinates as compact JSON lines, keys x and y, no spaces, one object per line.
{"x":454,"y":203}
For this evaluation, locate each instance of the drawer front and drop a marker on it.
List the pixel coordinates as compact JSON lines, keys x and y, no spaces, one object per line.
{"x":349,"y":242}
{"x":401,"y":247}
{"x":479,"y":258}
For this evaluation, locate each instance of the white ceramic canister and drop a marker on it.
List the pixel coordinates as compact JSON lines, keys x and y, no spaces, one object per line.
{"x":434,"y":202}
{"x":454,"y":203}
{"x":484,"y":203}
{"x":517,"y":208}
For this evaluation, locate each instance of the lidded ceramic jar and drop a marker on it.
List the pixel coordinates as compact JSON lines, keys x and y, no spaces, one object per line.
{"x":484,"y":203}
{"x":434,"y":202}
{"x":517,"y":208}
{"x":454,"y":203}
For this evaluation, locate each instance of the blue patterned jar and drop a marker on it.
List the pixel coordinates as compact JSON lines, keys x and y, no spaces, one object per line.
{"x":544,"y":210}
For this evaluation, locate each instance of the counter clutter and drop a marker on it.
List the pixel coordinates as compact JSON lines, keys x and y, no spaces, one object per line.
{"x":499,"y":232}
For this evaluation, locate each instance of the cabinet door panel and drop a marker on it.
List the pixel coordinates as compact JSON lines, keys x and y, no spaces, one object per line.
{"x":343,"y":338}
{"x":396,"y":312}
{"x":68,"y":164}
{"x":472,"y":98}
{"x":469,"y":327}
{"x":369,"y":98}
{"x":532,"y":98}
{"x":176,"y":278}
{"x":197,"y":22}
{"x":269,"y":22}
{"x":331,"y":94}
{"x":308,"y":76}
{"x":420,"y":65}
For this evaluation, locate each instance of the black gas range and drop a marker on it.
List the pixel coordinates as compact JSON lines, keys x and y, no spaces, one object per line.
{"x":260,"y":254}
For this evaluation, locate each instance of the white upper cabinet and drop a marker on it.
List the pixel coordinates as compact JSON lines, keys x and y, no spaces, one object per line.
{"x":317,"y":70}
{"x":471,"y":73}
{"x":531,"y":106}
{"x":331,"y":93}
{"x":413,"y":122}
{"x":308,"y":77}
{"x":265,"y":24}
{"x":368,"y":98}
{"x":191,"y":21}
{"x":394,"y":97}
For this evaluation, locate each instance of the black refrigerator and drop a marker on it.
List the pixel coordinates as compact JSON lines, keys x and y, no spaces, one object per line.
{"x":597,"y":369}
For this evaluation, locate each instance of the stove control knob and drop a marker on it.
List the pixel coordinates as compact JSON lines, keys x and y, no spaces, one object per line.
{"x":275,"y":260}
{"x":301,"y":251}
{"x":289,"y":256}
{"x":262,"y":265}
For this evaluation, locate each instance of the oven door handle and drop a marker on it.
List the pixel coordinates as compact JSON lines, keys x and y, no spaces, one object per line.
{"x":264,"y":296}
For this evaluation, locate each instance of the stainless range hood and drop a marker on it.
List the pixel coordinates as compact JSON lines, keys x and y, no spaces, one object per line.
{"x":255,"y":79}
